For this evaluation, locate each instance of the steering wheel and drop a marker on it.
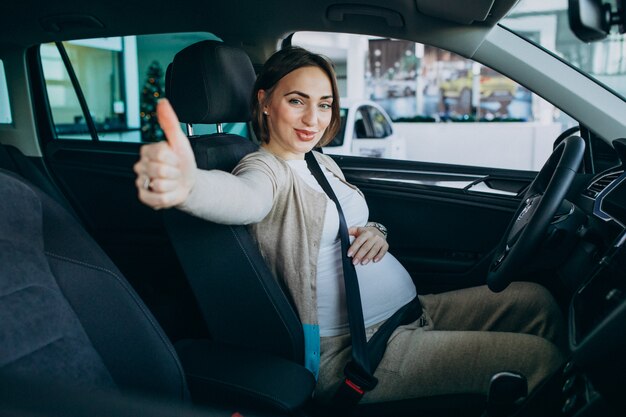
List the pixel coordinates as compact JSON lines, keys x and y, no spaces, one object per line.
{"x":532,"y":218}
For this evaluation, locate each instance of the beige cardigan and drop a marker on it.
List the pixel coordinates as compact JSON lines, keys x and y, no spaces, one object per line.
{"x":285,"y":217}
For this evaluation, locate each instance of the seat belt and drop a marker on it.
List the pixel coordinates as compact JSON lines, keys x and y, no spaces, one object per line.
{"x":359,"y":372}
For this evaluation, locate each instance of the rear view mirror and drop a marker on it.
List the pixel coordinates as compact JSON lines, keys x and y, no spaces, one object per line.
{"x":591,"y":20}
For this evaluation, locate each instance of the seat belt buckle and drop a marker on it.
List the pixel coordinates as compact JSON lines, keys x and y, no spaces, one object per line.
{"x":354,"y":387}
{"x":358,"y":379}
{"x":347,"y":395}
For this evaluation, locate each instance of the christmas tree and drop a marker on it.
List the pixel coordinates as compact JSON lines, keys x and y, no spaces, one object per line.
{"x":152,"y":91}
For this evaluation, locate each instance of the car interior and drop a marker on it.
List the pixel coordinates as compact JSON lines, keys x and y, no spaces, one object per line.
{"x":110,"y":307}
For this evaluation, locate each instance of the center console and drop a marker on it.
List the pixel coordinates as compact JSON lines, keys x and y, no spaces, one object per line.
{"x":598,"y":338}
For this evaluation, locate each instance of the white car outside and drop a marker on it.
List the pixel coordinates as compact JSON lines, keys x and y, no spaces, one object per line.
{"x":366,"y":130}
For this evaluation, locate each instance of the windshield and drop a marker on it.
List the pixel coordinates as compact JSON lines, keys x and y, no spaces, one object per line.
{"x":545,"y":22}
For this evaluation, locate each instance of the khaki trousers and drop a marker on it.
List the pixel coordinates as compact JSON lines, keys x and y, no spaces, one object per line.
{"x":469,"y":335}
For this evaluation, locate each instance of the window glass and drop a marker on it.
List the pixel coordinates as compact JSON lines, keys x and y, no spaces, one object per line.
{"x":444,"y":108}
{"x":380,"y":126}
{"x":5,"y":108}
{"x":546,"y":23}
{"x":122,"y":79}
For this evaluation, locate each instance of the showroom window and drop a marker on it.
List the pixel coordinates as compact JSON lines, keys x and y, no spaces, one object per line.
{"x":443,"y":108}
{"x":121,"y":78}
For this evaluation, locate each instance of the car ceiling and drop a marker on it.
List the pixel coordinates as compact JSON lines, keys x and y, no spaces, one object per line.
{"x":27,"y":22}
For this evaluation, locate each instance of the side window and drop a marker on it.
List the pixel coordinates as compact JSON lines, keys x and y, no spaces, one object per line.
{"x":121,"y":79}
{"x":444,"y":108}
{"x":5,"y":107}
{"x":380,"y":126}
{"x":97,"y":65}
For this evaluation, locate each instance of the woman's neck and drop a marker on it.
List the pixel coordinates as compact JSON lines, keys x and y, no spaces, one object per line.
{"x":281,"y":153}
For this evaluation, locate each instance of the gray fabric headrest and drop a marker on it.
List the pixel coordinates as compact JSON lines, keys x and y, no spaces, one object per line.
{"x":210,"y":82}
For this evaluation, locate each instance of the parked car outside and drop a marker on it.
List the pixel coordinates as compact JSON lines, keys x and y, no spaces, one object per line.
{"x":492,"y":86}
{"x":401,"y":88}
{"x":366,"y":130}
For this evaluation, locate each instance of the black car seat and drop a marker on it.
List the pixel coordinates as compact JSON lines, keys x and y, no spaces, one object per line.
{"x":243,"y":306}
{"x":76,"y":339}
{"x":241,"y":301}
{"x":12,"y":159}
{"x":67,"y":315}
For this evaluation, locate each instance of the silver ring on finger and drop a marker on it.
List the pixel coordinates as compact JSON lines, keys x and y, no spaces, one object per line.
{"x":147,"y":183}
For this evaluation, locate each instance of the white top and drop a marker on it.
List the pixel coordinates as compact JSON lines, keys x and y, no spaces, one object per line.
{"x":385,"y":286}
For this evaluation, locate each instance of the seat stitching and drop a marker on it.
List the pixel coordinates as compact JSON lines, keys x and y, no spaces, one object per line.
{"x":138,"y":303}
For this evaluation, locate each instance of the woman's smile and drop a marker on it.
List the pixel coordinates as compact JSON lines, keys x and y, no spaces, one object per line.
{"x":306,"y":135}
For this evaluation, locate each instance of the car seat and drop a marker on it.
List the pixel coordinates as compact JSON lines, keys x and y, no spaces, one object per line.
{"x":76,"y":338}
{"x":68,"y":315}
{"x":13,"y":160}
{"x":241,"y":303}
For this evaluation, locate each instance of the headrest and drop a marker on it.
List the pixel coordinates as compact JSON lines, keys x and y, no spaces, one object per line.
{"x":210,"y":82}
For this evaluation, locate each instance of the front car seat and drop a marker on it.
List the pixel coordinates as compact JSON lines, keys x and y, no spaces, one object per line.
{"x":245,"y":310}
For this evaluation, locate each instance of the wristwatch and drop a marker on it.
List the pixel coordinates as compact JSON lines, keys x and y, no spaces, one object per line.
{"x":382,"y":229}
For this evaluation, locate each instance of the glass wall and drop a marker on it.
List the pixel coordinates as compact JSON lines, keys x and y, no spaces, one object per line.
{"x":122,"y":79}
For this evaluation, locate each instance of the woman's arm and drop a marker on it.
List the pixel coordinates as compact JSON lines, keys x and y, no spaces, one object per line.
{"x":167,"y":176}
{"x":230,"y":199}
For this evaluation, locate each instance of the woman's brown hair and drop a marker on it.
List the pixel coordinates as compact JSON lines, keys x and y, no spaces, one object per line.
{"x":275,"y":68}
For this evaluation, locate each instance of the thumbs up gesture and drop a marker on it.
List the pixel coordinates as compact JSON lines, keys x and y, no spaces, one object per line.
{"x":166,"y":171}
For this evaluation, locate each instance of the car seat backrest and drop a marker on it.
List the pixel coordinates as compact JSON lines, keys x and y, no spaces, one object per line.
{"x":40,"y":332}
{"x":67,"y":312}
{"x":240,"y":299}
{"x":12,"y":159}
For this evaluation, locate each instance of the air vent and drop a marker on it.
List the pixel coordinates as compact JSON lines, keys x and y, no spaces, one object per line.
{"x":598,"y":185}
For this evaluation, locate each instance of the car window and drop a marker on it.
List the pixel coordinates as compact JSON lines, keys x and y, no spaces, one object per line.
{"x":380,"y":126}
{"x":444,"y":108}
{"x":5,"y":108}
{"x":121,"y":79}
{"x":549,"y":27}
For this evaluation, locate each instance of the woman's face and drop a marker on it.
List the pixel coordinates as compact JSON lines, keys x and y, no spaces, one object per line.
{"x":298,"y":112}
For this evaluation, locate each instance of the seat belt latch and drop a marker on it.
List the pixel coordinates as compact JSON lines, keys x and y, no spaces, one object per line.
{"x":354,"y":386}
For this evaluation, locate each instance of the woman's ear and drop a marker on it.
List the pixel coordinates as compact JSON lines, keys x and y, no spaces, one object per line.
{"x":260,"y":96}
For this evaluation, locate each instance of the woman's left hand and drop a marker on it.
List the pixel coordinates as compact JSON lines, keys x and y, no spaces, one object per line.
{"x":369,"y":244}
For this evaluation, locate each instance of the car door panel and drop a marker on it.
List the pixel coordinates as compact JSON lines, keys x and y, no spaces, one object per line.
{"x":443,"y":228}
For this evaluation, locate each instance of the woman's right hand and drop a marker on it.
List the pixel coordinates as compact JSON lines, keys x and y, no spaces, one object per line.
{"x":166,"y":171}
